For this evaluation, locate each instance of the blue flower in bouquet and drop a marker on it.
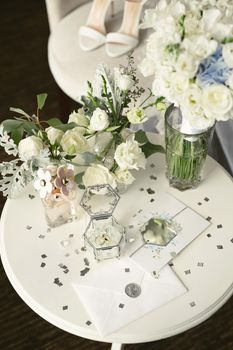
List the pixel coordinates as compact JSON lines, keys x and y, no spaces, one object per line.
{"x":214,"y":70}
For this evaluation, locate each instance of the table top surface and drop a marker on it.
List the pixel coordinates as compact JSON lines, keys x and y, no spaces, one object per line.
{"x":31,"y":254}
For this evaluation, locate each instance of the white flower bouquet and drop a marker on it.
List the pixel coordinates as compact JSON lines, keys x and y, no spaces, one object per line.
{"x":190,"y":54}
{"x":97,"y":140}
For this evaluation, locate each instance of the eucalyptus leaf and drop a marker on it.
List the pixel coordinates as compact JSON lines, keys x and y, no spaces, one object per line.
{"x":140,"y":137}
{"x":11,"y":124}
{"x":88,"y":158}
{"x":17,"y":135}
{"x":112,"y":128}
{"x":41,"y":100}
{"x":19,"y":111}
{"x":149,"y":149}
{"x":79,"y":177}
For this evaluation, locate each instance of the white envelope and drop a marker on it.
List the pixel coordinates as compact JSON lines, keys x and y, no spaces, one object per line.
{"x":103,"y":293}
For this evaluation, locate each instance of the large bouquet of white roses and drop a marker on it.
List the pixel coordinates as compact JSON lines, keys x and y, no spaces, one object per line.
{"x":97,"y":140}
{"x":190,"y":54}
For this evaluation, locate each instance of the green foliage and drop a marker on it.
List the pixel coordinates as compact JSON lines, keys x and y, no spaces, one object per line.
{"x":140,"y":137}
{"x":41,"y":100}
{"x":227,"y":40}
{"x":57,"y":124}
{"x":149,"y":149}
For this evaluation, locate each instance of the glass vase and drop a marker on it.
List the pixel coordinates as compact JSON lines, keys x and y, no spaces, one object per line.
{"x":59,"y":193}
{"x":185,"y":152}
{"x":60,"y":210}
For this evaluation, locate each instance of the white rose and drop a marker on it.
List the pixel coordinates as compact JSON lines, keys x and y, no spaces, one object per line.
{"x":124,"y":176}
{"x":230,"y":81}
{"x":30,"y":147}
{"x":137,"y":116}
{"x":99,"y":120}
{"x":54,"y":135}
{"x":98,"y":174}
{"x":129,"y":155}
{"x":79,"y":118}
{"x":73,"y":142}
{"x":192,"y":110}
{"x":125,"y":82}
{"x":227,"y":53}
{"x":222,"y":31}
{"x":187,"y":64}
{"x":217,"y":101}
{"x":210,"y":18}
{"x":200,"y":46}
{"x":192,"y":23}
{"x":147,"y":67}
{"x":179,"y":85}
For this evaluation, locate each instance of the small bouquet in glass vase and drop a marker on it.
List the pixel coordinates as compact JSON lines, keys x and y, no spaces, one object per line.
{"x":96,"y":145}
{"x":190,"y":54}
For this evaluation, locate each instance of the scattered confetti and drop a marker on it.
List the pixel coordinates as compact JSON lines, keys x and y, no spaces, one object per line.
{"x":140,"y":210}
{"x":219,"y":226}
{"x":121,"y":306}
{"x":150,"y":191}
{"x":209,"y":218}
{"x":44,"y":256}
{"x":66,"y":255}
{"x":219,"y":246}
{"x":76,"y":251}
{"x":187,"y":272}
{"x":232,"y":240}
{"x":152,"y":200}
{"x":31,"y":196}
{"x":83,"y":249}
{"x":206,"y":199}
{"x":127,"y":269}
{"x":199,"y":203}
{"x":42,"y":264}
{"x":201,"y":264}
{"x":57,"y":282}
{"x":65,"y":307}
{"x":153,"y":177}
{"x":71,"y":235}
{"x":29,"y":227}
{"x":152,"y":165}
{"x":192,"y":304}
{"x":208,"y":235}
{"x":42,"y":236}
{"x":141,"y":189}
{"x":88,"y":323}
{"x":48,"y":229}
{"x":86,"y":262}
{"x":171,"y":264}
{"x":84,"y":271}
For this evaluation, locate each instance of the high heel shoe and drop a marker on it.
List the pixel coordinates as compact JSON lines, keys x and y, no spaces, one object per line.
{"x":93,"y":34}
{"x":126,"y":38}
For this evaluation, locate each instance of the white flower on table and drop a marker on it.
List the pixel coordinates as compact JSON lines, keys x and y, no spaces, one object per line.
{"x":79,"y":118}
{"x":43,"y":183}
{"x":137,"y":115}
{"x":30,"y":147}
{"x":147,"y":67}
{"x":129,"y":155}
{"x":217,"y":101}
{"x":200,"y":46}
{"x":99,"y":120}
{"x":227,"y":53}
{"x":54,"y":135}
{"x":98,"y":174}
{"x":187,"y":64}
{"x":73,"y":142}
{"x":123,"y":81}
{"x":124,"y":176}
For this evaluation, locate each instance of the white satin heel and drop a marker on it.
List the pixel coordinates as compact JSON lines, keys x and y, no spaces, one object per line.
{"x":126,"y":39}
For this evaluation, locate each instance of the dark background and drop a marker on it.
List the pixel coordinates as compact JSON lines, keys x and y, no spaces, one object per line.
{"x":24,"y":72}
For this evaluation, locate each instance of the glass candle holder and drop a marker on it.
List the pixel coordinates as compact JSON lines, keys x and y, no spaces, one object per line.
{"x":104,"y":234}
{"x":185,"y":152}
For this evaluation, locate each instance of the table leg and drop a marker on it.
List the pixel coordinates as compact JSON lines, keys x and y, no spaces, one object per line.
{"x":117,"y":346}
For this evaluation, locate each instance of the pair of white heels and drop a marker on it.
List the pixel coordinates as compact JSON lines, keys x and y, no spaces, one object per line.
{"x":94,"y":35}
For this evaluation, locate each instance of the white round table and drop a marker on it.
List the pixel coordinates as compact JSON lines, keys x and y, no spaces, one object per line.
{"x":34,"y":258}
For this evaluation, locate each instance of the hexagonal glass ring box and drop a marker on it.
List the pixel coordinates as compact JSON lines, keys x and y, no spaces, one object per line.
{"x":159,"y":231}
{"x":104,"y":234}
